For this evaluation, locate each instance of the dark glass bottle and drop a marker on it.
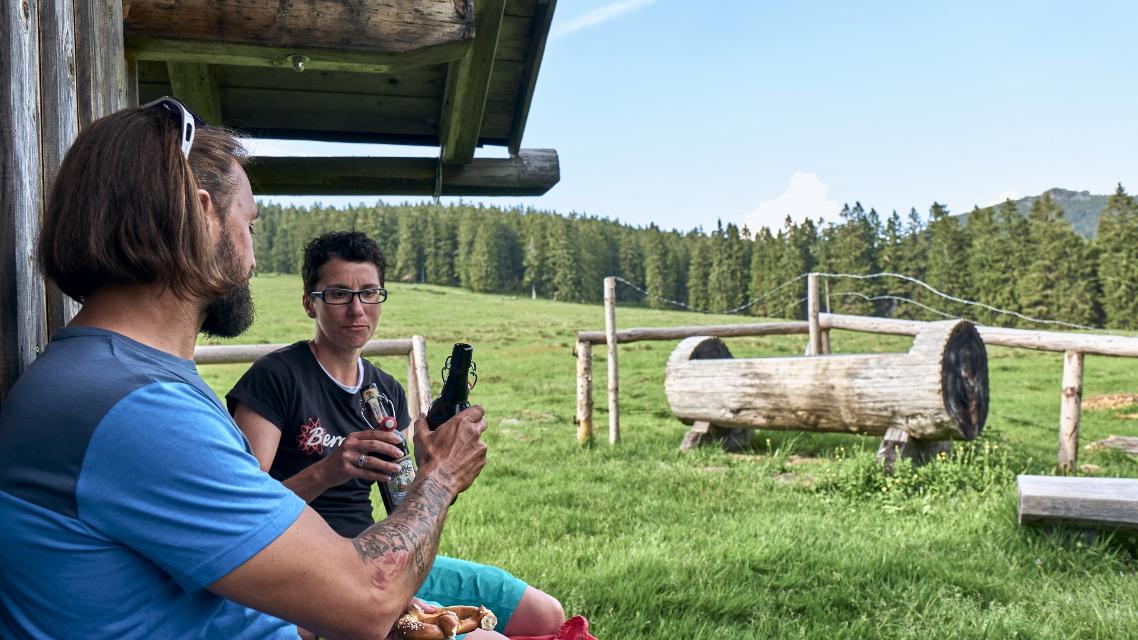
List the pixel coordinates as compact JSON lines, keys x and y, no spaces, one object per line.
{"x":394,"y":490}
{"x":456,"y":386}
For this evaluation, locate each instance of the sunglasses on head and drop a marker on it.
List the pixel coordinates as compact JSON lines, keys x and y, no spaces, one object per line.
{"x":189,"y":120}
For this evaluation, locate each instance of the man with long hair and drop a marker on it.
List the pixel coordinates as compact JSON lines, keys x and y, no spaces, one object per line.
{"x":132,"y":505}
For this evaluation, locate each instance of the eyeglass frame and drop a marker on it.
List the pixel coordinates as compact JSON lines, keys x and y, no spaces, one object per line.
{"x":190,"y":121}
{"x":355,"y":294}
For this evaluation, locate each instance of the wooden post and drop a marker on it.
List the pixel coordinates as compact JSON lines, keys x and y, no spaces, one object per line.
{"x":422,"y":372}
{"x":22,"y":311}
{"x":584,"y":392}
{"x":412,"y":384}
{"x":812,"y":304}
{"x":100,"y":59}
{"x":826,"y":332}
{"x":1070,"y":409}
{"x":610,"y":337}
{"x":60,"y":119}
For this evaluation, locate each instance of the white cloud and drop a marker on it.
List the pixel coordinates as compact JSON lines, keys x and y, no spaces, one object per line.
{"x":597,"y":16}
{"x":805,"y":197}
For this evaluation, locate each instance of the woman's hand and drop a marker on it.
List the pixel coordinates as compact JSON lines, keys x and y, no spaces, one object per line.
{"x":354,"y":459}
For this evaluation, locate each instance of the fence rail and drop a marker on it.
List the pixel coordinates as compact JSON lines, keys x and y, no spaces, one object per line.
{"x":1074,"y":346}
{"x":414,"y":348}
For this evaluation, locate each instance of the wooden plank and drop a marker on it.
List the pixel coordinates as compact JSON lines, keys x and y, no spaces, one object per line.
{"x":248,"y":55}
{"x":1086,"y":343}
{"x":196,"y":86}
{"x":236,"y":353}
{"x":522,"y":8}
{"x":1090,"y":502}
{"x":22,"y":314}
{"x":610,"y":339}
{"x":1070,"y":410}
{"x":422,"y":372}
{"x":60,"y":119}
{"x":101,"y":74}
{"x":536,"y":52}
{"x":467,"y":86}
{"x":532,"y":172}
{"x":678,"y":333}
{"x":518,"y":36}
{"x":584,"y":353}
{"x":367,"y":26}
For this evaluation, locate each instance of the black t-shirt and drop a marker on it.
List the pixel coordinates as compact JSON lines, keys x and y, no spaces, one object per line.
{"x":289,"y":388}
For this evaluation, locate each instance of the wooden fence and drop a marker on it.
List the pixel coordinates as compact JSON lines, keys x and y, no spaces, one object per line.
{"x":1074,"y":346}
{"x":415,"y":348}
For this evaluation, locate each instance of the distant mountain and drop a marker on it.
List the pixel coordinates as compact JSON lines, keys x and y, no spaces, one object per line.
{"x":1080,"y":208}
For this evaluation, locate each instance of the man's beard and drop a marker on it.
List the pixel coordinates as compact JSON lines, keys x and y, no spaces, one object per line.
{"x":230,"y":315}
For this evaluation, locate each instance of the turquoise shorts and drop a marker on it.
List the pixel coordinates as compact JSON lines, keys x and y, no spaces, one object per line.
{"x":458,"y":582}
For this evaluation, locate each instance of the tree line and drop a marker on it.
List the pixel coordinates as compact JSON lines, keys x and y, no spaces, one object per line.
{"x":1036,"y":265}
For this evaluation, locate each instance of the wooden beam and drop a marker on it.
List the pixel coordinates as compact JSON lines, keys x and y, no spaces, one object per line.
{"x":1091,"y":502}
{"x":260,"y":32}
{"x":237,"y":353}
{"x":543,"y":17}
{"x":679,"y":333}
{"x":530,"y":173}
{"x":22,"y":313}
{"x":60,"y":119}
{"x":246,"y":55}
{"x":468,"y":83}
{"x":1086,"y":343}
{"x":196,"y":85}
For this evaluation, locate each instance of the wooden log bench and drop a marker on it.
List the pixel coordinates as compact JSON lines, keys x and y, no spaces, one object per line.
{"x":1097,"y":503}
{"x":937,"y":391}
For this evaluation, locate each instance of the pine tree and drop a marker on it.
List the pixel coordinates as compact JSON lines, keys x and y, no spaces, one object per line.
{"x":698,"y":271}
{"x":410,"y":265}
{"x":851,"y":248}
{"x":947,"y":266}
{"x":565,"y":282}
{"x":1117,"y":241}
{"x":764,"y":255}
{"x":891,"y":259}
{"x":1061,"y":281}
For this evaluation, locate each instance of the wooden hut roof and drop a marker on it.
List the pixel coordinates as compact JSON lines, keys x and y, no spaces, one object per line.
{"x":452,"y":74}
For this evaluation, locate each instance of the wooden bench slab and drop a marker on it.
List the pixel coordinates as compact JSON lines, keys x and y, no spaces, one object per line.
{"x":1091,"y":502}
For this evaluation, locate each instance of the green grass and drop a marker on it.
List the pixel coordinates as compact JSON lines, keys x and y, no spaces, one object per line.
{"x":800,"y":538}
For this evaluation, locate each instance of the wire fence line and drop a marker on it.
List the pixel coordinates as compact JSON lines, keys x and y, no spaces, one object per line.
{"x":857,"y":276}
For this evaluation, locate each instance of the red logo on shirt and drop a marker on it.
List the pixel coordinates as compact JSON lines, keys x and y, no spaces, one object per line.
{"x":313,"y":438}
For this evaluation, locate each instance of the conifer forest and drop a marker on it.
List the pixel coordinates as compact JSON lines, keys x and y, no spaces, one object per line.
{"x":1034,"y":265}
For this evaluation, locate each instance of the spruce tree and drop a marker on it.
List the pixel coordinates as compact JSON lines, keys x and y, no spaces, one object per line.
{"x":410,"y":263}
{"x":1117,"y":241}
{"x":947,"y":265}
{"x":1061,"y":280}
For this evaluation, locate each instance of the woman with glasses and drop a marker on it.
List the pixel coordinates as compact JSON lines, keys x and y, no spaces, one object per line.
{"x":301,"y":408}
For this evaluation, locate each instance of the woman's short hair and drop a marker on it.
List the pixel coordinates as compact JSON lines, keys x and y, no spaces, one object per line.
{"x":124,"y":210}
{"x":352,"y":246}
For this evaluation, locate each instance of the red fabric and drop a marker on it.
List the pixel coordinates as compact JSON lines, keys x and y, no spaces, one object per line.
{"x":575,"y":628}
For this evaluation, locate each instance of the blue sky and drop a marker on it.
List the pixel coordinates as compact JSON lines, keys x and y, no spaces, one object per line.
{"x":682,"y":113}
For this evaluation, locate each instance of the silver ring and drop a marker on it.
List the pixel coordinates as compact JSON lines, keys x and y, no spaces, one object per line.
{"x":360,"y":460}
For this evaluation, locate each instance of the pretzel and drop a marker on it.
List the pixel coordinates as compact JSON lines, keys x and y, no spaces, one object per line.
{"x":443,"y":624}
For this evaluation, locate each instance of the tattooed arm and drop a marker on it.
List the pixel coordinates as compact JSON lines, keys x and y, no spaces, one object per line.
{"x":358,"y":588}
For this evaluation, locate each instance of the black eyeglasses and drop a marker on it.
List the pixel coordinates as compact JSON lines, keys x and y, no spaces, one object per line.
{"x":344,"y":296}
{"x":189,"y":120}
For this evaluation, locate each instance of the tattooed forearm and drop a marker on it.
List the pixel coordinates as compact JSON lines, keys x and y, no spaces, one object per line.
{"x":405,"y":543}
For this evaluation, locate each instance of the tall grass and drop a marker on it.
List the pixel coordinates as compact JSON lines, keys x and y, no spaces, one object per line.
{"x":801,"y":537}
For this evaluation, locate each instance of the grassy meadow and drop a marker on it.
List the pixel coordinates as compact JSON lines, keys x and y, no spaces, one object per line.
{"x":802,"y":537}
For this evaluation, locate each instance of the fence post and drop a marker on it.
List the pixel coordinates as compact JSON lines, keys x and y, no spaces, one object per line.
{"x":1070,"y":410}
{"x":422,"y":387}
{"x":812,"y":304}
{"x":584,"y":392}
{"x":610,"y":337}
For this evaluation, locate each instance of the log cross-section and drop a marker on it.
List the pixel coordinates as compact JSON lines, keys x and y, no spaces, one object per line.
{"x":937,"y":390}
{"x":363,"y":35}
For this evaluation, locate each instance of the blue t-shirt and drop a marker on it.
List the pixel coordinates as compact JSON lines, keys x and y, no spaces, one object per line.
{"x":125,"y":490}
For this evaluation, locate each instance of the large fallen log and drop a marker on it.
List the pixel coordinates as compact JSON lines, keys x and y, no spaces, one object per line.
{"x":938,"y":390}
